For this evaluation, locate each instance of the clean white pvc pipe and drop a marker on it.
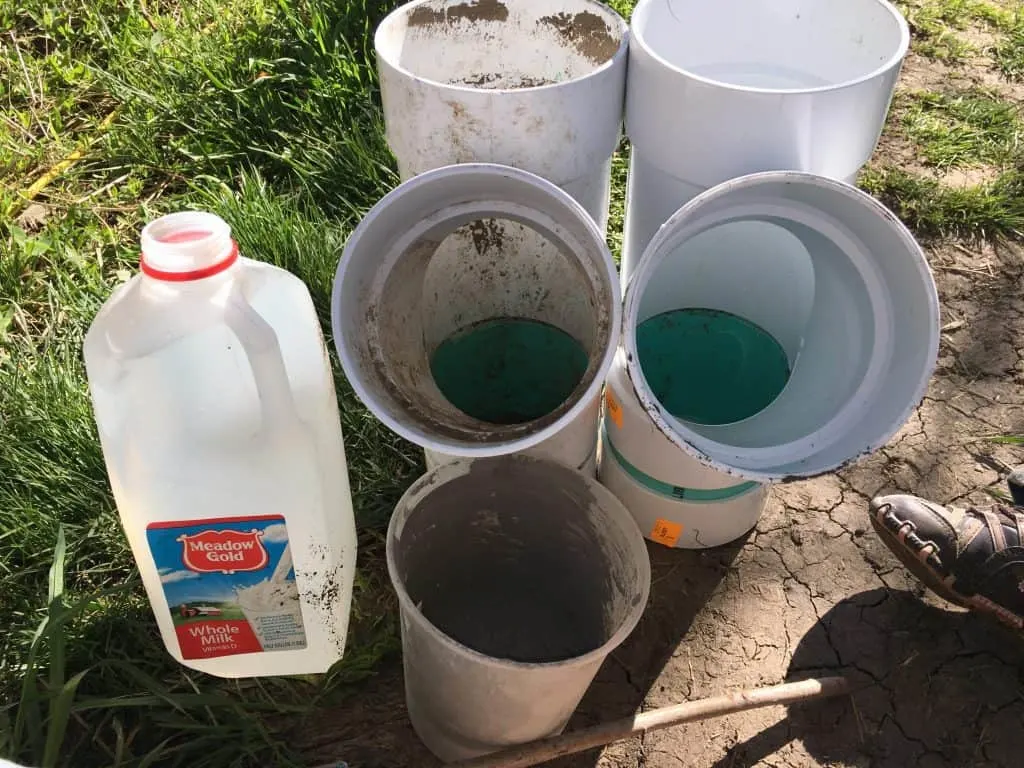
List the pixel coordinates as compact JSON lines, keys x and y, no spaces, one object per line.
{"x":718,"y":90}
{"x":405,"y":283}
{"x":534,"y":84}
{"x":675,"y":499}
{"x":644,"y":446}
{"x":682,"y":523}
{"x":755,"y":269}
{"x":866,"y":352}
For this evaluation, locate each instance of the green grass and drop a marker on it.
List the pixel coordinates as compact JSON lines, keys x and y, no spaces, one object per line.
{"x":623,"y":7}
{"x":1009,"y":53}
{"x":617,"y":207}
{"x":932,"y":210}
{"x":284,"y":87}
{"x":937,"y":25}
{"x":267,"y":113}
{"x":972,"y":129}
{"x":934,"y":28}
{"x":962,"y":129}
{"x":938,"y":28}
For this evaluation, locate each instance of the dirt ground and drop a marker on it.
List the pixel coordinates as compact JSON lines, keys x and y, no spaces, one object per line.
{"x":812,"y":590}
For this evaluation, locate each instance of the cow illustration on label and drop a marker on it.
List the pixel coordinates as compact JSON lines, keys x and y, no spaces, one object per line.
{"x":230,"y":585}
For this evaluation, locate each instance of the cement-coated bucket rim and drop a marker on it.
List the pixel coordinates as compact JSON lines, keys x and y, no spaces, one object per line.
{"x":605,"y":11}
{"x":894,"y":61}
{"x":668,"y":233}
{"x":451,"y":470}
{"x":527,"y":439}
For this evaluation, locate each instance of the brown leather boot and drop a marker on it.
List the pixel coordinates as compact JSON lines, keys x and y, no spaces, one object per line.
{"x":971,"y":557}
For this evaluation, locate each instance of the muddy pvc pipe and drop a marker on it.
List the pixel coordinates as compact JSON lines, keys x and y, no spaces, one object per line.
{"x":534,"y":84}
{"x":564,"y":447}
{"x":718,"y":90}
{"x":773,"y":363}
{"x":516,"y":577}
{"x":463,"y":337}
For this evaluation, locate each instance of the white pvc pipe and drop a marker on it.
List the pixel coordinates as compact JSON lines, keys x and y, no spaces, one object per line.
{"x":566,"y":446}
{"x":721,"y":89}
{"x":681,"y":523}
{"x":534,"y":84}
{"x":867,"y":347}
{"x":675,"y":499}
{"x":418,"y":270}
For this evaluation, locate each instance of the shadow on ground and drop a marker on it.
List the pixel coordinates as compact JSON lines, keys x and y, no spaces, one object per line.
{"x":682,"y":582}
{"x":374,"y":731}
{"x":934,"y":688}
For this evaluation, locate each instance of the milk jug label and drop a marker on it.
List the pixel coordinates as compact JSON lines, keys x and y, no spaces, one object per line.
{"x":230,"y":585}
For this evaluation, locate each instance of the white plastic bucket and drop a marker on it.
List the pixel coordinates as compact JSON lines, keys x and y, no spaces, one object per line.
{"x":796,"y":363}
{"x":721,"y":89}
{"x":676,"y":500}
{"x":463,"y":338}
{"x":516,"y":577}
{"x":534,"y":84}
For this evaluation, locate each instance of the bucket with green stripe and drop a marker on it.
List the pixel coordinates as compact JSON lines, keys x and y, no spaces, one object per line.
{"x":676,"y":500}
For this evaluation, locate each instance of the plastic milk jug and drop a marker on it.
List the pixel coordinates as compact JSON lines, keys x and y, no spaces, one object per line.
{"x":220,"y":429}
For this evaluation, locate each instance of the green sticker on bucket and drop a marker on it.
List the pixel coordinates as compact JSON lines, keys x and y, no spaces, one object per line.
{"x":509,"y":370}
{"x":710,"y":367}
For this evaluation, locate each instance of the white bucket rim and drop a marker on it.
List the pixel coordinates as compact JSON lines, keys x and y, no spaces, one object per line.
{"x":892,"y":62}
{"x":803,"y":214}
{"x":351,"y":367}
{"x":453,"y":469}
{"x":605,"y":11}
{"x":682,"y":435}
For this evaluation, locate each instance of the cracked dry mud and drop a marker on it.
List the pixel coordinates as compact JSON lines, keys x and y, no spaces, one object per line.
{"x":813,"y":591}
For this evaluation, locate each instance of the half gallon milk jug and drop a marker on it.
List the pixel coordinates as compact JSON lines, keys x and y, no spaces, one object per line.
{"x":217,"y":415}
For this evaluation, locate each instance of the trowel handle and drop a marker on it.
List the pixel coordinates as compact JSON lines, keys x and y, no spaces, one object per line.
{"x":703,"y":709}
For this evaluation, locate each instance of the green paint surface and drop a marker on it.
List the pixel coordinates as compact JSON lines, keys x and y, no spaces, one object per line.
{"x":710,"y":367}
{"x":508,"y":370}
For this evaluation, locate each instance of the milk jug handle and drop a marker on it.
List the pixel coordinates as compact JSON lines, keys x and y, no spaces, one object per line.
{"x":266,"y":361}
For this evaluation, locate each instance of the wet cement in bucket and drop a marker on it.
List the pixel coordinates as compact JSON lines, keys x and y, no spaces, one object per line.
{"x":511,"y":563}
{"x":710,"y":367}
{"x":508,"y":370}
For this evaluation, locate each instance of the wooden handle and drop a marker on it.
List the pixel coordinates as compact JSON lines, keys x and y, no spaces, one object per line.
{"x":543,"y":750}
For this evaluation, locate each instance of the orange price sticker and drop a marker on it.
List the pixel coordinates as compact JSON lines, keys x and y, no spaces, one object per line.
{"x":612,"y":407}
{"x":666,"y":533}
